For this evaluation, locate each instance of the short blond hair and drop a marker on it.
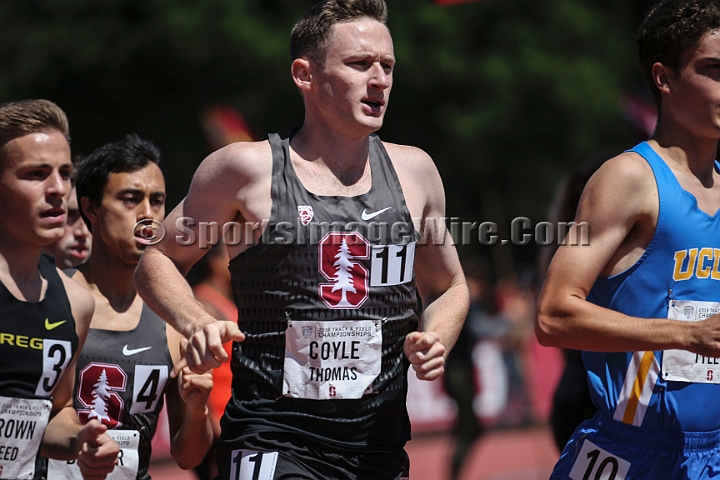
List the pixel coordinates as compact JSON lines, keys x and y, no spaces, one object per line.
{"x":31,"y":116}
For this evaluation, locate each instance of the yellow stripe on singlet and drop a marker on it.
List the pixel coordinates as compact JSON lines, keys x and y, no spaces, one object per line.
{"x":640,"y":378}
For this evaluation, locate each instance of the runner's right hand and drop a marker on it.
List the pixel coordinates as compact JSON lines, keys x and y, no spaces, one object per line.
{"x":204,"y":349}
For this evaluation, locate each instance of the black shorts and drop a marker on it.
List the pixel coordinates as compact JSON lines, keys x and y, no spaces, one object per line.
{"x":304,"y":462}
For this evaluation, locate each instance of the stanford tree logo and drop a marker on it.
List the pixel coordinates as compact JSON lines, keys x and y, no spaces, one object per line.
{"x":348,"y":279}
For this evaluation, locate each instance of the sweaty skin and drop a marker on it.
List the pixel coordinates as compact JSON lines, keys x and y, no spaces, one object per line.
{"x":345,"y":101}
{"x":621,"y":205}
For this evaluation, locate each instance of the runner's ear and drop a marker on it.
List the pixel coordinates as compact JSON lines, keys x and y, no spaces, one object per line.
{"x":89,"y":209}
{"x":301,"y":73}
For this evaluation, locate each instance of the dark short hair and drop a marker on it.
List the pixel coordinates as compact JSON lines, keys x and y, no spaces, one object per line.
{"x":669,"y":29}
{"x":30,"y":116}
{"x":310,"y":35}
{"x":128,"y":155}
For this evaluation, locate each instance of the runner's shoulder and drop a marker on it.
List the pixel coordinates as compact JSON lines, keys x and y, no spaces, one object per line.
{"x":623,"y":187}
{"x":81,"y":300}
{"x":412,"y":162}
{"x":626,"y":169}
{"x":244,"y":159}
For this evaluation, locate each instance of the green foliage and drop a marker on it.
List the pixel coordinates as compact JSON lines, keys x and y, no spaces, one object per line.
{"x":506,"y":95}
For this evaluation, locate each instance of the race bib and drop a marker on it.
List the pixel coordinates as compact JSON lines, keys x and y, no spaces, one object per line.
{"x":126,"y":469}
{"x":684,"y":366}
{"x":596,"y":463}
{"x":252,"y":465}
{"x":22,"y":425}
{"x":56,"y":357}
{"x":331,"y":360}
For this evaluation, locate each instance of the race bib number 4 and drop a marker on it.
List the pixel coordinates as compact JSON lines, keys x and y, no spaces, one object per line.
{"x":684,"y":366}
{"x":594,"y":463}
{"x":126,"y":469}
{"x":331,"y":360}
{"x":22,"y":425}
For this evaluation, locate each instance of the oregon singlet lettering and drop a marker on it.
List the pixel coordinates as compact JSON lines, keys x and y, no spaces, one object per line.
{"x":328,"y":270}
{"x":677,"y":277}
{"x":121,"y":378}
{"x":37,"y":342}
{"x":37,"y":339}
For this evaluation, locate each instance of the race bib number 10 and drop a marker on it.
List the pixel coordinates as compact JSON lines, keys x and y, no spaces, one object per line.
{"x":594,"y":463}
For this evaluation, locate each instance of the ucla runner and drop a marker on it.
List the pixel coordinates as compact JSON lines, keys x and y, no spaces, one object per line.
{"x":642,"y":300}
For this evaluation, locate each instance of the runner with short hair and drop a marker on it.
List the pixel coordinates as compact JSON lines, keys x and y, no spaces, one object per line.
{"x":44,"y":316}
{"x":326,"y":274}
{"x":642,"y":300}
{"x":123,"y":374}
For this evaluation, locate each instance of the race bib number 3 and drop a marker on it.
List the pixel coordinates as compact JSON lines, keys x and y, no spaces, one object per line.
{"x":22,"y":425}
{"x":594,"y":463}
{"x":331,"y":360}
{"x":56,"y":356}
{"x":684,"y":366}
{"x":126,"y":469}
{"x":252,"y":465}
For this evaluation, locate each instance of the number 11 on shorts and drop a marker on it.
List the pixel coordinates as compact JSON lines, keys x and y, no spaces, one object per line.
{"x":252,"y":465}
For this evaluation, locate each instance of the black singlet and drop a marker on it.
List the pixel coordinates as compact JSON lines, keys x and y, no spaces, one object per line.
{"x":324,"y":258}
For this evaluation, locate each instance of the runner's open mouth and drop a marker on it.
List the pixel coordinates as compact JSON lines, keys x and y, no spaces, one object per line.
{"x":55,"y":212}
{"x":373,"y":103}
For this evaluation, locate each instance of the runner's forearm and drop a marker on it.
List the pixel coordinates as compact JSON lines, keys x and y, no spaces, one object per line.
{"x":60,"y":439}
{"x":193,"y":440}
{"x":167,"y":293}
{"x":446,"y":314}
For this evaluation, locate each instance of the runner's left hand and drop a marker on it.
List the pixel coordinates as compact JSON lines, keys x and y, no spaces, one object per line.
{"x":425,"y":353}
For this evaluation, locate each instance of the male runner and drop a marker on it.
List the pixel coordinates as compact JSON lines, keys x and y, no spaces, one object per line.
{"x":327,"y":297}
{"x":44,"y":316}
{"x":123,"y":371}
{"x":74,"y":246}
{"x":642,"y":299}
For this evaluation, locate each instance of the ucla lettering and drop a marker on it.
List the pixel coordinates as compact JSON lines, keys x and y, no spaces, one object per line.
{"x":22,"y":341}
{"x":698,"y":262}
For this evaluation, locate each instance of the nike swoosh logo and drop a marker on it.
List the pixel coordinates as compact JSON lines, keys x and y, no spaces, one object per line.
{"x":367,"y":216}
{"x":127,"y":352}
{"x":51,"y":326}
